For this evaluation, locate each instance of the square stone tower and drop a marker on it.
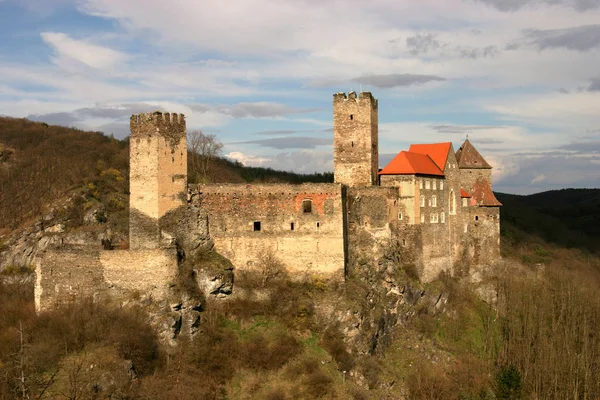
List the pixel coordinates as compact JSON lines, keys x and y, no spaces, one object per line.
{"x":355,"y":140}
{"x":157,"y":174}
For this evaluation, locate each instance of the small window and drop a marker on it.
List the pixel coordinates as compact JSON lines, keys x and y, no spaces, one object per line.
{"x":400,"y":216}
{"x":441,"y":185}
{"x":291,"y":226}
{"x":351,"y":116}
{"x":318,"y":225}
{"x":256,"y":226}
{"x":465,"y":202}
{"x":403,"y":242}
{"x":422,"y":218}
{"x":429,"y":202}
{"x":422,"y":201}
{"x":434,"y":185}
{"x":307,"y":206}
{"x":443,"y":218}
{"x":352,"y":143}
{"x":477,"y":218}
{"x":434,"y":201}
{"x":420,"y":184}
{"x":427,"y":184}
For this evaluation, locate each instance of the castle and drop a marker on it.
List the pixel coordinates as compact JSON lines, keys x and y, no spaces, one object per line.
{"x":432,"y":206}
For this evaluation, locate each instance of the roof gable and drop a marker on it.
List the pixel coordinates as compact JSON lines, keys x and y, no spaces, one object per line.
{"x":483,"y":195}
{"x":468,"y":157}
{"x":437,"y":151}
{"x":408,"y":163}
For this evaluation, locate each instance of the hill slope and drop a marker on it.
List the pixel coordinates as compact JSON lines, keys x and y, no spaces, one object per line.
{"x":568,"y":217}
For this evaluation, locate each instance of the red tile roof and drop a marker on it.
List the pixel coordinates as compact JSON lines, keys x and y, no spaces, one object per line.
{"x":464,"y":193}
{"x":469,"y":157}
{"x":483,"y":195}
{"x":437,"y":151}
{"x":408,"y":163}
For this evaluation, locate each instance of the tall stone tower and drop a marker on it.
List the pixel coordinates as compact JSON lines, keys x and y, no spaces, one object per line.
{"x":355,"y":141}
{"x":157,"y":174}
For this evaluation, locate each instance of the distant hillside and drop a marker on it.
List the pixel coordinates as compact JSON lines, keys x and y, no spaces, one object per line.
{"x":41,"y":163}
{"x":568,"y":217}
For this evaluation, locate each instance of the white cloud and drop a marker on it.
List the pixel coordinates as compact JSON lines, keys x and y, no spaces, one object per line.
{"x":538,"y":179}
{"x":91,"y":55}
{"x":249,"y":160}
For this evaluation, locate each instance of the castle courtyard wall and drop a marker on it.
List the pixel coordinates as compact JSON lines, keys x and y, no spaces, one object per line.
{"x":304,"y":240}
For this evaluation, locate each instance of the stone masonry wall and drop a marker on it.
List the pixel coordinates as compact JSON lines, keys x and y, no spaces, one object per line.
{"x":64,"y":276}
{"x":355,"y":139}
{"x":244,"y":220}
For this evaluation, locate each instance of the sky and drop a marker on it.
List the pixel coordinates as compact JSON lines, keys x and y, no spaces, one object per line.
{"x":520,"y":78}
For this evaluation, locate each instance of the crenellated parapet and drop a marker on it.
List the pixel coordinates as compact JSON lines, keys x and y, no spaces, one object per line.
{"x":168,"y":125}
{"x":363,"y":98}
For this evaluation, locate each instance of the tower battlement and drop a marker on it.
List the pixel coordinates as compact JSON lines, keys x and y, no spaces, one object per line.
{"x":171,"y":125}
{"x":362,"y":97}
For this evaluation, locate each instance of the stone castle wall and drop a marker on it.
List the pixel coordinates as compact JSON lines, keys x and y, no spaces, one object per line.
{"x":66,"y":275}
{"x":245,"y":220}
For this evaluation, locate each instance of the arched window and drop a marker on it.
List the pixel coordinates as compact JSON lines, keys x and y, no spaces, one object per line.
{"x":422,"y":200}
{"x":434,"y":185}
{"x":433,"y":201}
{"x":441,"y":185}
{"x":442,"y":218}
{"x":452,"y":201}
{"x":420,"y":184}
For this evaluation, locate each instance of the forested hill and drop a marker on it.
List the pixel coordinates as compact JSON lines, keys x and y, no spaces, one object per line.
{"x":41,"y":163}
{"x":567,"y":217}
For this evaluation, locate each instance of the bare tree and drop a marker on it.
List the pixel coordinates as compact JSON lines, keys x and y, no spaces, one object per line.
{"x":204,"y":148}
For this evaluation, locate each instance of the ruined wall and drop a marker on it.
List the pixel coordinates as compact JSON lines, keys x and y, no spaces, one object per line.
{"x":245,"y":219}
{"x":374,"y":229}
{"x":67,"y":275}
{"x":158,"y":174}
{"x":355,"y":139}
{"x":63,"y":276}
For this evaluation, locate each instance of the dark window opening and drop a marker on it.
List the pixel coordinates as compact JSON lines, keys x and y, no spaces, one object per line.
{"x":352,"y":143}
{"x":292,"y":226}
{"x":307,"y":206}
{"x":477,"y":218}
{"x":403,"y":242}
{"x":256,"y":226}
{"x":351,"y":116}
{"x":318,"y":224}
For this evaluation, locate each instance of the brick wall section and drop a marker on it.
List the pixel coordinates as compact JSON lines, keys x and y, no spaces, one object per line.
{"x":355,"y":139}
{"x":158,"y":173}
{"x":316,"y":243}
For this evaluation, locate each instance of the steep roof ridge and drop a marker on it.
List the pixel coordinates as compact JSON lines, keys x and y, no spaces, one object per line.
{"x":468,"y":157}
{"x":438,"y":152}
{"x":408,"y":163}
